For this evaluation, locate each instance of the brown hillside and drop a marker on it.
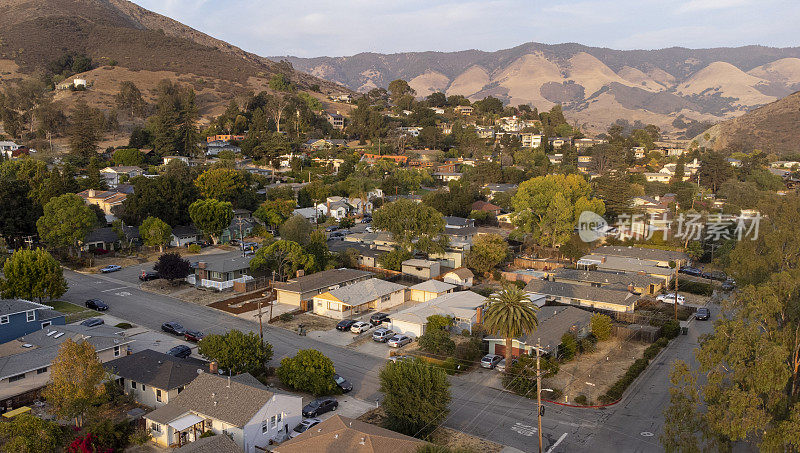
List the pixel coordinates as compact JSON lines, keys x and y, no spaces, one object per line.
{"x":771,"y":128}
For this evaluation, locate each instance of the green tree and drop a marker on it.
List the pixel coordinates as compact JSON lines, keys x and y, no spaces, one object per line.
{"x":211,"y":216}
{"x":32,"y":274}
{"x":173,"y":124}
{"x":487,"y":252}
{"x":27,"y":433}
{"x":393,"y":259}
{"x":416,"y":396}
{"x":296,"y":229}
{"x":437,"y":341}
{"x":87,"y":125}
{"x":129,"y":99}
{"x":409,"y":222}
{"x":439,"y":322}
{"x":18,"y":212}
{"x":237,"y":351}
{"x":714,"y":170}
{"x":66,"y":221}
{"x":128,"y":157}
{"x":602,"y":327}
{"x":274,"y":212}
{"x":155,"y":233}
{"x":76,"y":376}
{"x":399,"y":88}
{"x":167,"y":197}
{"x":223,"y":184}
{"x":521,"y":379}
{"x":279,"y":82}
{"x":510,"y":314}
{"x":283,"y":257}
{"x":548,"y":207}
{"x":308,"y":371}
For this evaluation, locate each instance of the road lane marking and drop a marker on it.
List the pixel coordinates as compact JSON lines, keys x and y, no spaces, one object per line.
{"x":646,"y":434}
{"x":114,"y":289}
{"x":560,"y":439}
{"x":525,"y":430}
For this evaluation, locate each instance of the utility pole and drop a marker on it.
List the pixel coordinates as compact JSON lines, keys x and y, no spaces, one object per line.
{"x":676,"y":291}
{"x":538,"y":394}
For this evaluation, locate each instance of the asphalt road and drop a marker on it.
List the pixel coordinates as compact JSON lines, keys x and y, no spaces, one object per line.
{"x":633,"y":425}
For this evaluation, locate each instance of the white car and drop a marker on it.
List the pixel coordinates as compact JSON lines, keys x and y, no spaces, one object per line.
{"x":670,"y":298}
{"x":110,"y":268}
{"x":360,"y":326}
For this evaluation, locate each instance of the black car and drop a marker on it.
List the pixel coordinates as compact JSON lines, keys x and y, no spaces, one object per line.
{"x":331,"y":228}
{"x":181,"y":351}
{"x":320,"y":406}
{"x":96,"y":304}
{"x":693,"y":271}
{"x":343,"y":383}
{"x":378,"y":318}
{"x":715,"y":275}
{"x":703,"y":314}
{"x":173,"y":328}
{"x":146,"y":276}
{"x":728,"y":285}
{"x":345,"y":325}
{"x":91,"y":322}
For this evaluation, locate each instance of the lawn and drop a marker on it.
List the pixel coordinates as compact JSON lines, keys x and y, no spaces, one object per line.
{"x":73,"y":312}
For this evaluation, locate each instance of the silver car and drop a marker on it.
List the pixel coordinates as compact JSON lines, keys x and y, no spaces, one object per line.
{"x":399,"y":341}
{"x":304,"y":426}
{"x":382,"y":334}
{"x":490,"y":361}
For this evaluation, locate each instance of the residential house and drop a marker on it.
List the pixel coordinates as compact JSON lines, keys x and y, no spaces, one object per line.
{"x":225,"y":138}
{"x":484,"y":206}
{"x":154,"y":378}
{"x":336,"y":120}
{"x":238,"y":407}
{"x":658,"y":257}
{"x":120,"y":174}
{"x":458,"y":222}
{"x":431,"y":289}
{"x":8,"y":147}
{"x":168,"y":159}
{"x":324,"y":143}
{"x":106,"y":200}
{"x":20,"y":317}
{"x":184,"y":235}
{"x":485,"y":132}
{"x":639,"y":152}
{"x":240,"y":228}
{"x":413,"y":131}
{"x":446,"y":128}
{"x":342,"y":434}
{"x":354,"y":299}
{"x":494,"y":189}
{"x":107,"y":239}
{"x":554,"y":322}
{"x":210,"y":444}
{"x":463,"y":110}
{"x":559,"y":142}
{"x":347,"y":98}
{"x":609,"y":298}
{"x":220,"y":271}
{"x":530,"y":140}
{"x":338,"y":209}
{"x":626,"y":264}
{"x":25,"y":362}
{"x":455,"y":253}
{"x":465,"y":307}
{"x":635,"y":282}
{"x":214,"y":148}
{"x":734,"y":162}
{"x":461,"y":276}
{"x":302,"y":288}
{"x":425,"y":269}
{"x":438,"y":110}
{"x":447,"y":176}
{"x":657,"y":177}
{"x":582,"y":144}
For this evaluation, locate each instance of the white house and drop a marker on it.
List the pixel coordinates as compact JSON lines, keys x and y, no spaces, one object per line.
{"x":350,"y":300}
{"x":239,"y":407}
{"x":338,"y":209}
{"x":426,"y":269}
{"x":184,"y":235}
{"x":431,"y":289}
{"x":116,"y":175}
{"x":465,"y":307}
{"x":460,"y":277}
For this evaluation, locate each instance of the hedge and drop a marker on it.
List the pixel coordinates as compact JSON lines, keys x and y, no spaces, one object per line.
{"x":693,"y":287}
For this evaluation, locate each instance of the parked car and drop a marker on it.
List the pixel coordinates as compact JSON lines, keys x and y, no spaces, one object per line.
{"x":148,"y":275}
{"x":490,"y":361}
{"x":378,"y":318}
{"x":670,"y":298}
{"x":331,"y":228}
{"x":715,"y":275}
{"x":369,"y":229}
{"x":91,"y":322}
{"x":693,"y":271}
{"x":96,"y":304}
{"x":304,"y":426}
{"x":398,"y":358}
{"x":345,"y":325}
{"x":360,"y":326}
{"x":110,"y":268}
{"x":193,"y":335}
{"x":249,"y":252}
{"x":501,"y":366}
{"x":703,"y":314}
{"x":382,"y":335}
{"x":343,"y":383}
{"x":319,"y":406}
{"x":728,"y":285}
{"x":233,"y":242}
{"x":366,"y":220}
{"x":181,"y":351}
{"x":398,"y":341}
{"x":173,"y":328}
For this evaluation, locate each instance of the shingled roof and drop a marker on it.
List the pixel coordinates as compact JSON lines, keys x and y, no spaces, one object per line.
{"x":341,"y":434}
{"x":156,"y":369}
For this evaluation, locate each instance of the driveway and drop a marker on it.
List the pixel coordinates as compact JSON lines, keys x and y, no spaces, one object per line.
{"x":145,"y":338}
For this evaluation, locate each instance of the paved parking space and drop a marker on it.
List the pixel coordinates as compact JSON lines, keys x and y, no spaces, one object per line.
{"x":145,"y":338}
{"x":483,"y":376}
{"x":349,"y":406}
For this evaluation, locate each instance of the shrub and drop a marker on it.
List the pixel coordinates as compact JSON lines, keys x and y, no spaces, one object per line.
{"x":601,"y":326}
{"x":207,"y":434}
{"x":437,"y":341}
{"x":587,"y":345}
{"x":468,"y":351}
{"x":692,"y":287}
{"x":286,"y":317}
{"x":308,"y":371}
{"x":521,"y":378}
{"x":671,"y":329}
{"x":465,"y":333}
{"x":124,"y":325}
{"x":194,"y":248}
{"x":439,"y":322}
{"x":582,"y":400}
{"x":615,"y":392}
{"x":568,"y":347}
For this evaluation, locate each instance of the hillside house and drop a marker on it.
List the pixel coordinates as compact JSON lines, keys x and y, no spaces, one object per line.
{"x":120,"y":174}
{"x":336,"y":120}
{"x":463,"y":110}
{"x":106,"y":200}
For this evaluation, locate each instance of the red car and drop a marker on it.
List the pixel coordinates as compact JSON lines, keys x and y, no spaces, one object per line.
{"x":193,"y":335}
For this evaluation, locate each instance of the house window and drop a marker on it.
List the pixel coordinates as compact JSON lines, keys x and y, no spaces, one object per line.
{"x":158,"y":395}
{"x":273,"y":421}
{"x":41,"y":370}
{"x":4,"y":319}
{"x":31,"y":315}
{"x":280,"y":417}
{"x":385,"y":298}
{"x":155,"y":427}
{"x":116,"y":351}
{"x":16,"y":378}
{"x":133,"y":385}
{"x":46,"y":324}
{"x":180,"y":389}
{"x":264,"y":427}
{"x":143,"y":387}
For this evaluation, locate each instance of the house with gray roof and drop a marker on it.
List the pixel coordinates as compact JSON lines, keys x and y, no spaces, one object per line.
{"x":304,"y":287}
{"x":357,"y":298}
{"x":626,"y":264}
{"x":19,"y":317}
{"x":657,"y":257}
{"x":241,"y":409}
{"x":638,"y":283}
{"x":554,"y":322}
{"x":465,"y":307}
{"x":220,"y":271}
{"x":105,"y":238}
{"x":153,"y":378}
{"x":424,"y":269}
{"x":25,"y":362}
{"x":430,"y":289}
{"x":612,"y":298}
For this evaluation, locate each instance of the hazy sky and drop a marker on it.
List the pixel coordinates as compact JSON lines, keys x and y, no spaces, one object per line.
{"x":310,"y":28}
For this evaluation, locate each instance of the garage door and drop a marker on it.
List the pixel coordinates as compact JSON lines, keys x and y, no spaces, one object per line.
{"x":500,"y":349}
{"x":407,"y":328}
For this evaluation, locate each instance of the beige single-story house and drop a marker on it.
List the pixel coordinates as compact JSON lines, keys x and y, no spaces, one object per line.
{"x":554,"y":322}
{"x":426,"y":269}
{"x":431,"y":289}
{"x":351,"y":300}
{"x":342,"y":435}
{"x":461,"y":276}
{"x":465,"y":307}
{"x":612,"y":298}
{"x":305,"y":287}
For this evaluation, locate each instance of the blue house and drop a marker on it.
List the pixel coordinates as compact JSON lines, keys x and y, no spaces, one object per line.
{"x":20,"y":317}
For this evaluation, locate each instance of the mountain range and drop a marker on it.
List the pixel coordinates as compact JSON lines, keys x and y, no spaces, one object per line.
{"x":596,"y":86}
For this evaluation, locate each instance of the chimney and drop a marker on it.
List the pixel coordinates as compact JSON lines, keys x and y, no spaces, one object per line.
{"x":201,"y":265}
{"x":479,"y":318}
{"x":300,"y":273}
{"x":213,"y":368}
{"x":91,"y":193}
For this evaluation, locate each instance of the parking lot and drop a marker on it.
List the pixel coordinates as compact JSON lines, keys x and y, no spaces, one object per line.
{"x":145,"y":338}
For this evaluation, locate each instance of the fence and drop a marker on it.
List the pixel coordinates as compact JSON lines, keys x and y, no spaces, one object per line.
{"x":538,"y":264}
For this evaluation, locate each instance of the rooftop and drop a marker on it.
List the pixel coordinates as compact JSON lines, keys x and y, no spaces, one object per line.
{"x":433,"y":286}
{"x":14,"y":306}
{"x":642,"y":253}
{"x":419,"y":263}
{"x":156,"y":369}
{"x":583,"y":292}
{"x":459,"y":304}
{"x":322,"y":280}
{"x":341,"y":434}
{"x":606,"y":277}
{"x":365,"y":291}
{"x":554,"y":321}
{"x":225,"y":262}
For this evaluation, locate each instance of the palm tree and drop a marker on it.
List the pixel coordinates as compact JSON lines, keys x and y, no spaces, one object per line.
{"x":510,"y":314}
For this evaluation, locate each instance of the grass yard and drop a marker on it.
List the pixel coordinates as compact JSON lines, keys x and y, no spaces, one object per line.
{"x":74,"y":313}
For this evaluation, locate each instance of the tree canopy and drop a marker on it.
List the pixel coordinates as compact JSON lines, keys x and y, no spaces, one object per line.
{"x":211,"y":216}
{"x":237,"y":351}
{"x":32,"y":274}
